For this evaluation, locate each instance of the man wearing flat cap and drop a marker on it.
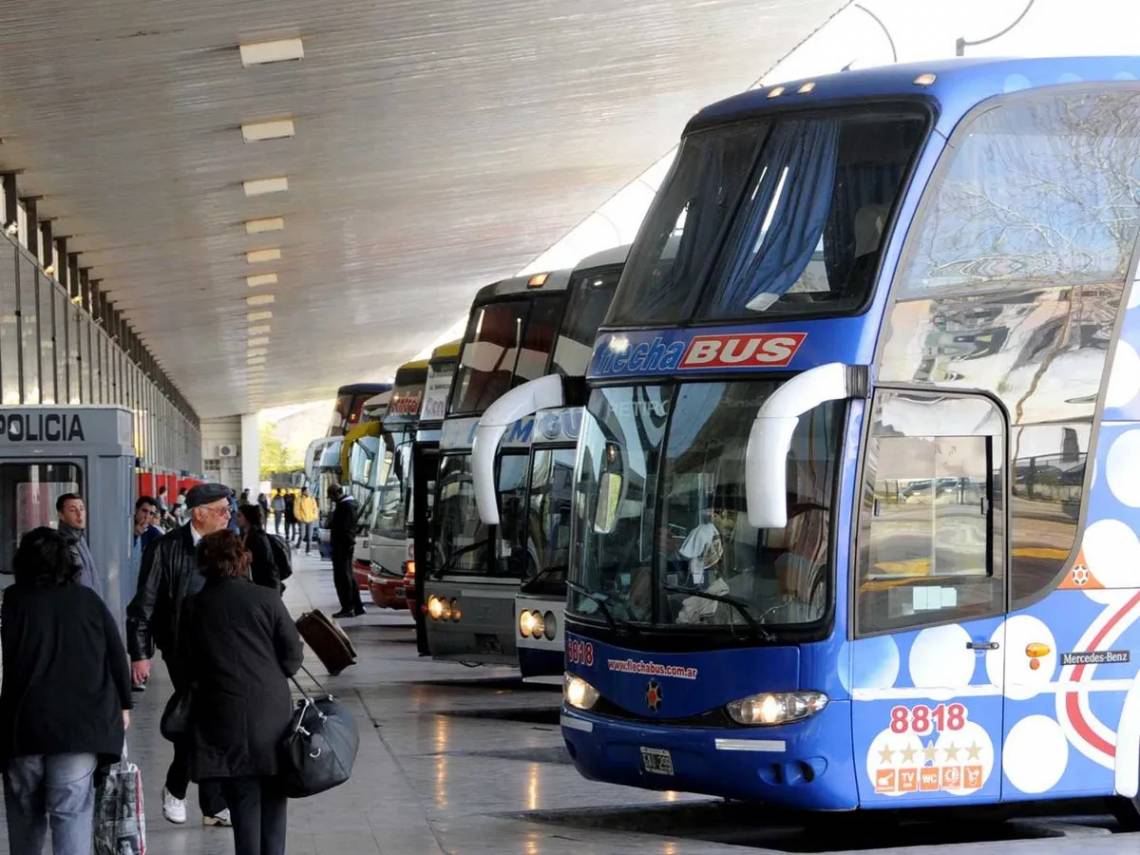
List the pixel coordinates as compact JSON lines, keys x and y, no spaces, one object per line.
{"x":167,"y":576}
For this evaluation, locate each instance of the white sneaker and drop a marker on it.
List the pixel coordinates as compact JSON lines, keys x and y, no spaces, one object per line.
{"x":220,"y":819}
{"x":173,"y":809}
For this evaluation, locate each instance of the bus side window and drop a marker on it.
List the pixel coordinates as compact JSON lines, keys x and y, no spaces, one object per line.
{"x":931,"y":539}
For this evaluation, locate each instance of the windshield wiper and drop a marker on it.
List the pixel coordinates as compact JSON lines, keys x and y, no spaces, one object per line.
{"x":603,"y":604}
{"x":463,"y":551}
{"x":737,"y":603}
{"x":540,"y":576}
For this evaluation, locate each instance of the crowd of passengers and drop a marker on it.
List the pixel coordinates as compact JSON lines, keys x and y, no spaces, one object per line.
{"x":209,"y":603}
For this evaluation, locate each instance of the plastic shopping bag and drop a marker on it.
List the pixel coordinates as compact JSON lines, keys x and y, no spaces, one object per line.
{"x":120,"y":825}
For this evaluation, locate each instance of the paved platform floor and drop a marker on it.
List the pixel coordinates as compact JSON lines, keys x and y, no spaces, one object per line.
{"x":463,"y":761}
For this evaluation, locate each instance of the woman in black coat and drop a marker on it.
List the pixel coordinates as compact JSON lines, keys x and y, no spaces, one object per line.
{"x":262,"y":568}
{"x":240,"y":647}
{"x":65,"y":699}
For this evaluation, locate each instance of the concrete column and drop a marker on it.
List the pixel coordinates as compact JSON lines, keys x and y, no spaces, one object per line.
{"x":250,"y":453}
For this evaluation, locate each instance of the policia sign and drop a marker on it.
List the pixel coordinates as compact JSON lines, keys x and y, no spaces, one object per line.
{"x":48,"y":450}
{"x":41,"y":426}
{"x":68,"y":430}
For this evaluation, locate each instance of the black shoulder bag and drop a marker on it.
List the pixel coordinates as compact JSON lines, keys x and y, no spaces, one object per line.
{"x":320,"y":747}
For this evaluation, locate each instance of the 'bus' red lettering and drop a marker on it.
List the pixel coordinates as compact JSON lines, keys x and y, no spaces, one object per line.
{"x":771,"y":350}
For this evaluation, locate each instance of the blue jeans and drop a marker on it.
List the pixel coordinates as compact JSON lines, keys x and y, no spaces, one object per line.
{"x":55,"y":787}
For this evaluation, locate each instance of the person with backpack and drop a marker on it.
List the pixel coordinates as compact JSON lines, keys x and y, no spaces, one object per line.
{"x":263,"y":569}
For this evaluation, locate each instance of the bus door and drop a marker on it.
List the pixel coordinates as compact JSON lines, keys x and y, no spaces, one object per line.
{"x":927,"y":666}
{"x":425,"y":468}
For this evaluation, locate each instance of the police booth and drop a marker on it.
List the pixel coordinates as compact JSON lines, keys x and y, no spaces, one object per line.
{"x":48,"y":451}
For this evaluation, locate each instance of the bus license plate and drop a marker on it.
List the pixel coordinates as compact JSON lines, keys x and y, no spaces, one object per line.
{"x":658,"y":761}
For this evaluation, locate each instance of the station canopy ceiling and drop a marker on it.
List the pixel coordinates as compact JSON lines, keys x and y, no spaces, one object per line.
{"x":436,"y":146}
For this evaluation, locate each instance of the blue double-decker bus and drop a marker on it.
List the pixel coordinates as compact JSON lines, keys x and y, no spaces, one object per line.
{"x":857,"y":489}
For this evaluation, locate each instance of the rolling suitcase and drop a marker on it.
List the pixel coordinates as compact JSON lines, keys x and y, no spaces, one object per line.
{"x":327,"y":640}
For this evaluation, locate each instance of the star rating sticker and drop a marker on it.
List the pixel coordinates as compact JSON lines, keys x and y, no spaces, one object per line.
{"x":974,"y":752}
{"x":908,"y":754}
{"x":886,"y":755}
{"x":952,"y":751}
{"x":930,"y":753}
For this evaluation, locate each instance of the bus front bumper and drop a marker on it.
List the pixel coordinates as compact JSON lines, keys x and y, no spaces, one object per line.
{"x":807,"y":764}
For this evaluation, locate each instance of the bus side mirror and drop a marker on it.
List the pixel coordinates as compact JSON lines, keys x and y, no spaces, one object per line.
{"x":765,"y":460}
{"x":609,"y":496}
{"x":516,"y":404}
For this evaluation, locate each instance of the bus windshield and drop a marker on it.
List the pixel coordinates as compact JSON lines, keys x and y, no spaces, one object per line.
{"x":548,"y":520}
{"x":661,"y":532}
{"x":463,"y":544}
{"x":776,"y":216}
{"x":458,"y":535}
{"x":393,"y":492}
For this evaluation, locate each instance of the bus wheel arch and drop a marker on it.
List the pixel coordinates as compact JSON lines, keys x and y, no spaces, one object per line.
{"x":1126,"y":805}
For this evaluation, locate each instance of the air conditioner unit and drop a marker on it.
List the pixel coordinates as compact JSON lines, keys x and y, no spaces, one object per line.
{"x":227,"y":451}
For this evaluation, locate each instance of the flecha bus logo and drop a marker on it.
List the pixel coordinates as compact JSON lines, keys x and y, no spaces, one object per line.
{"x":738,"y":350}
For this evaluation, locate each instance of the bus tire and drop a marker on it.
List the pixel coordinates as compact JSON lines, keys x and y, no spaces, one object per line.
{"x":1127,"y":812}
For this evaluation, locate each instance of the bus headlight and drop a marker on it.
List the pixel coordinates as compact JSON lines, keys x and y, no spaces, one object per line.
{"x":435,"y":607}
{"x":776,"y":707}
{"x":455,"y":612}
{"x":549,"y":625}
{"x":578,"y":693}
{"x":530,"y":624}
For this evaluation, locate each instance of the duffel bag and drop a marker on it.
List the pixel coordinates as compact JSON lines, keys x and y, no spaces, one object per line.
{"x":320,"y":747}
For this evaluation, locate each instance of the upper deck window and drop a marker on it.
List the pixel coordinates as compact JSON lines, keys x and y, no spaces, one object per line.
{"x":489,"y":355}
{"x":682,"y":227}
{"x":591,"y":292}
{"x":809,"y":230}
{"x":1041,"y":190}
{"x":788,"y":214}
{"x":506,"y":343}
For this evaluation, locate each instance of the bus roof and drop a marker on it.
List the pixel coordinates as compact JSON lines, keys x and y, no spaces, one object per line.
{"x":957,"y":85}
{"x":447,"y":351}
{"x":613,"y":255}
{"x":411,"y":372}
{"x":363,"y":389}
{"x":556,"y":280}
{"x":376,"y":402}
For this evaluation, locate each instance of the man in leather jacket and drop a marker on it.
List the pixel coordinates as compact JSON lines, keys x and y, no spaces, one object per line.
{"x":342,"y":533}
{"x":167,"y":576}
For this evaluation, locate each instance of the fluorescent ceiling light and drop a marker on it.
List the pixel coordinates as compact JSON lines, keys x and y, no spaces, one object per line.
{"x":266,"y":224}
{"x":257,"y":256}
{"x":259,"y":316}
{"x":256,"y":351}
{"x":259,"y":300}
{"x":274,"y":129}
{"x":256,"y":360}
{"x":261,"y":279}
{"x":281,"y":50}
{"x":258,"y":331}
{"x":260,"y":341}
{"x":261,"y":186}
